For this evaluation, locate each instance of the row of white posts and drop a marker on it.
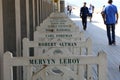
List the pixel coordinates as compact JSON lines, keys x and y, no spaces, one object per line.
{"x":61,"y":52}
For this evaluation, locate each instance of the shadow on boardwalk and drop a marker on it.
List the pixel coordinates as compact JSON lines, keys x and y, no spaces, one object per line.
{"x":96,"y":30}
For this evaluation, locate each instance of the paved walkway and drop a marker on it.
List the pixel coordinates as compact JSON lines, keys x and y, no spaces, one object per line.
{"x":97,"y":31}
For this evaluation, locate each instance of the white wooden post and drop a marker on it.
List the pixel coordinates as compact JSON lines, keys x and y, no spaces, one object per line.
{"x":29,"y":72}
{"x":25,"y":47}
{"x":101,"y":60}
{"x":89,"y":46}
{"x":36,"y":38}
{"x":102,"y":72}
{"x":80,"y":72}
{"x":7,"y":72}
{"x":25,"y":54}
{"x":89,"y":52}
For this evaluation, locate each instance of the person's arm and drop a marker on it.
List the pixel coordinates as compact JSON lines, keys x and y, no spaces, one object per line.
{"x":87,"y":11}
{"x":92,"y":9}
{"x":117,"y":17}
{"x":80,"y":12}
{"x":103,"y":16}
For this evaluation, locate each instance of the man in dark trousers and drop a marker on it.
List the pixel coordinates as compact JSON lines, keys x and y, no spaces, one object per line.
{"x":110,"y":17}
{"x":83,"y":14}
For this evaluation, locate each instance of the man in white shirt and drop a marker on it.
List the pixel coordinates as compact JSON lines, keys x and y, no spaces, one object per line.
{"x":91,"y":10}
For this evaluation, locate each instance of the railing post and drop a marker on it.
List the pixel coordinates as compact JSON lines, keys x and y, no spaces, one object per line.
{"x":102,"y":68}
{"x":29,"y":72}
{"x":7,"y":72}
{"x":25,"y":54}
{"x":25,"y":47}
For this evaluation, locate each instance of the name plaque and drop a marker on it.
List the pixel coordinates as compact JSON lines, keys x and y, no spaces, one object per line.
{"x":58,"y":44}
{"x":58,"y":35}
{"x":59,"y":26}
{"x":54,"y":61}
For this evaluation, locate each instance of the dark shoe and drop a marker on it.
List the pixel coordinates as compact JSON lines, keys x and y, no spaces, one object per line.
{"x":114,"y":43}
{"x":110,"y":44}
{"x":119,"y":67}
{"x":84,"y":29}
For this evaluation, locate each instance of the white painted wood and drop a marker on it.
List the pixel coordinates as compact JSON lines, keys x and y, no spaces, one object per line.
{"x":26,"y":47}
{"x":25,"y":54}
{"x":10,"y":61}
{"x":7,"y":74}
{"x":103,"y":66}
{"x":74,"y":44}
{"x":58,"y":14}
{"x":45,"y":28}
{"x":67,"y":35}
{"x":29,"y":72}
{"x":56,"y":23}
{"x":18,"y":33}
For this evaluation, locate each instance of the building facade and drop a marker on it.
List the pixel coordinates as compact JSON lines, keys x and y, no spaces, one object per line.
{"x":18,"y":19}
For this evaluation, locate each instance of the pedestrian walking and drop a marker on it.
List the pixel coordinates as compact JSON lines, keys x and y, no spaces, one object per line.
{"x":83,"y":14}
{"x":70,"y":10}
{"x":91,"y":11}
{"x":103,"y":8}
{"x":110,"y":17}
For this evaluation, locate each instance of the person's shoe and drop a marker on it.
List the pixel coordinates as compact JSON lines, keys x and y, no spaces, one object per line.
{"x":110,"y":44}
{"x":84,"y":29}
{"x":119,"y":67}
{"x":114,"y":43}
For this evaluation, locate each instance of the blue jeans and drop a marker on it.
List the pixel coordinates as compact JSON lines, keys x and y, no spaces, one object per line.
{"x":111,"y":33}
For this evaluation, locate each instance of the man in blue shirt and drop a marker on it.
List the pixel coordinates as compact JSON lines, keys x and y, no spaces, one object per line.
{"x":83,"y":14}
{"x":110,"y":17}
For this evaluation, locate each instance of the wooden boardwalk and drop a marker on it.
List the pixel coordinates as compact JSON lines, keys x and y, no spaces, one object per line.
{"x":96,"y":30}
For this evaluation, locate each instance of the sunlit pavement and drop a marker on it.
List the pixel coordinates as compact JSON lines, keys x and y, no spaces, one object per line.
{"x":97,"y":20}
{"x":96,"y":30}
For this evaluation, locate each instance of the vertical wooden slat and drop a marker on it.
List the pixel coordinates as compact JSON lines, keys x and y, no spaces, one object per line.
{"x":102,"y":72}
{"x":33,"y":4}
{"x":27,"y":18}
{"x":25,"y":54}
{"x":18,"y":33}
{"x":18,"y":27}
{"x":7,"y":67}
{"x":1,"y":40}
{"x":38,"y":12}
